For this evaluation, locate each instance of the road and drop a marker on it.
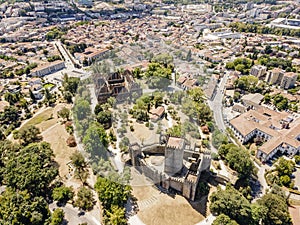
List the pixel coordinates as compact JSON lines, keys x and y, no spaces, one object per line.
{"x":94,"y":100}
{"x":70,"y":69}
{"x":68,"y":61}
{"x":217,"y":106}
{"x":263,"y":186}
{"x":71,"y":215}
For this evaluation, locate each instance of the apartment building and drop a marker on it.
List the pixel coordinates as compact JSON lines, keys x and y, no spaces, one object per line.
{"x":288,"y":81}
{"x":275,"y":76}
{"x":258,"y":71}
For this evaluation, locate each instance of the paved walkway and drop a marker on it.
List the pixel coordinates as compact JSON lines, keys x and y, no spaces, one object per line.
{"x":208,"y":220}
{"x":135,"y":220}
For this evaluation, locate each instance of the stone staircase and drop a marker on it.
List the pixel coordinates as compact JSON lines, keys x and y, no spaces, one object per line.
{"x":147,"y":202}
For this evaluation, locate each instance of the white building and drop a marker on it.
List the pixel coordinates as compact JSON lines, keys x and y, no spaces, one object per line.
{"x":277,"y":130}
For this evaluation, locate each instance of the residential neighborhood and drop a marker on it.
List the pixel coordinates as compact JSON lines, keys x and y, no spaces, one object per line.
{"x":161,"y":112}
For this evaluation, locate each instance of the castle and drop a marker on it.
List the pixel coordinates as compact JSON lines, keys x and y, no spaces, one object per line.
{"x":120,"y":85}
{"x":171,"y":164}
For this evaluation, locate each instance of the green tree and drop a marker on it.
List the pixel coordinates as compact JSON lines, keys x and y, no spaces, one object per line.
{"x":247,"y":83}
{"x":175,"y":131}
{"x":241,"y":162}
{"x":230,"y":66}
{"x":104,"y":118}
{"x":70,"y":84}
{"x":268,"y":49}
{"x":297,"y":159}
{"x":124,"y":144}
{"x":158,"y":75}
{"x":117,"y":216}
{"x":111,"y":193}
{"x":276,"y":210}
{"x":2,"y":136}
{"x":10,"y":115}
{"x":68,"y":96}
{"x":37,"y":174}
{"x":32,"y":96}
{"x":98,"y":109}
{"x":196,"y":94}
{"x":231,"y":203}
{"x":49,"y":98}
{"x":20,"y":208}
{"x":63,"y":194}
{"x":80,"y":165}
{"x":238,"y":159}
{"x":95,"y":140}
{"x":236,"y":96}
{"x":189,"y":55}
{"x":111,"y":101}
{"x":224,"y":149}
{"x":57,"y":217}
{"x":219,"y":138}
{"x":85,"y":199}
{"x":137,"y":73}
{"x":64,"y":113}
{"x":29,"y":135}
{"x":282,"y":172}
{"x":11,"y":98}
{"x":240,"y":68}
{"x":211,"y":126}
{"x":163,"y":58}
{"x":267,"y":98}
{"x":224,"y":220}
{"x":81,"y":109}
{"x":280,"y":102}
{"x":284,"y":166}
{"x":204,"y":113}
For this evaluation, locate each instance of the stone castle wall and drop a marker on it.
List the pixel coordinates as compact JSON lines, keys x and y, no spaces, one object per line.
{"x":187,"y":188}
{"x":150,"y":172}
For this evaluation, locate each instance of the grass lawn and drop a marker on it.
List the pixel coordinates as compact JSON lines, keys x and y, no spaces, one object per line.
{"x":48,"y":85}
{"x":35,"y":120}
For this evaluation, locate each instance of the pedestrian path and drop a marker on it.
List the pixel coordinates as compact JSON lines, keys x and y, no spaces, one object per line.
{"x":207,"y":221}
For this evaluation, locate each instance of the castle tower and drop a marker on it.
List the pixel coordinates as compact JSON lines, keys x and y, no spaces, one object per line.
{"x":174,"y":155}
{"x":134,"y":153}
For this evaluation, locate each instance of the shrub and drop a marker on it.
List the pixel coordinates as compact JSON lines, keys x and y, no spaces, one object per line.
{"x":297,"y":159}
{"x":131,"y":128}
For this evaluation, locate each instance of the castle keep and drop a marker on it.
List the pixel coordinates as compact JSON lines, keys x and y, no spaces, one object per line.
{"x":172,"y":164}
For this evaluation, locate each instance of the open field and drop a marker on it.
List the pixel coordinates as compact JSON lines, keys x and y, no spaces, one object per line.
{"x":57,"y":136}
{"x":141,"y":131}
{"x":55,"y":133}
{"x":170,"y":211}
{"x":159,"y":208}
{"x":39,"y":118}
